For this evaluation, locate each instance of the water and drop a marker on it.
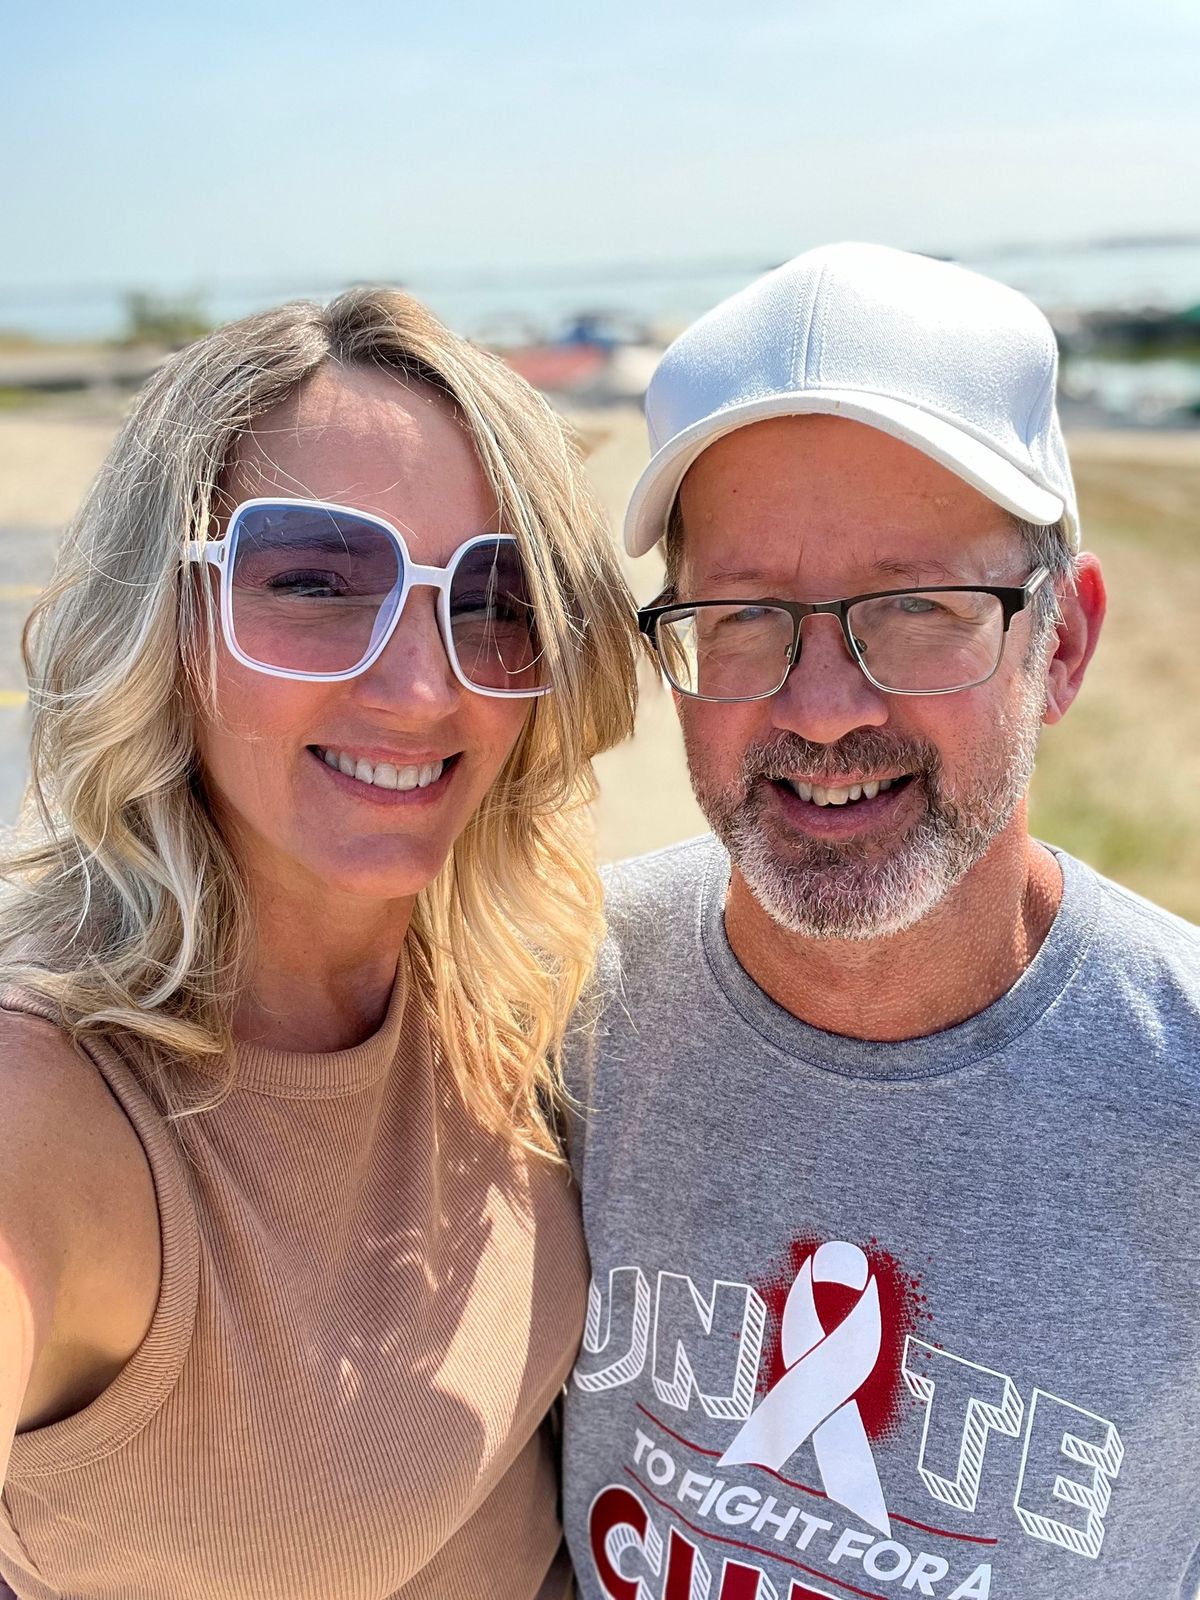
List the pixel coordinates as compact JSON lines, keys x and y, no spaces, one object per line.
{"x":512,"y":308}
{"x":1147,"y":392}
{"x":1124,"y":276}
{"x":538,"y":302}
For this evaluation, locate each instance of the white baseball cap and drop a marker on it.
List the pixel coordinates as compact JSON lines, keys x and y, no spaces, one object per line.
{"x":952,"y":363}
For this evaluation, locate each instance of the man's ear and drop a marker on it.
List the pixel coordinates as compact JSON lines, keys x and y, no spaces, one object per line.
{"x":1082,"y":609}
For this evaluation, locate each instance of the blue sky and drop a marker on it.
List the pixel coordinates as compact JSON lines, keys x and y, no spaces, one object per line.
{"x":205,"y":141}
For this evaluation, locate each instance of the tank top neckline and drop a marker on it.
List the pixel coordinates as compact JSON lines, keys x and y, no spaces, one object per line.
{"x":303,"y":1075}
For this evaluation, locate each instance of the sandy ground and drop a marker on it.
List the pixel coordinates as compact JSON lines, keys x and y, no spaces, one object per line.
{"x":645,"y":799}
{"x":48,"y":457}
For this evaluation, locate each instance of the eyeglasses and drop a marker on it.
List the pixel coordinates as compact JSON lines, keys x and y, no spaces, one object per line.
{"x":314,"y":591}
{"x":907,"y":641}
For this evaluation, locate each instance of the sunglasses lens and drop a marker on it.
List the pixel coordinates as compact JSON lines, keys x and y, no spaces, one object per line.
{"x":492,"y":620}
{"x":311,"y":588}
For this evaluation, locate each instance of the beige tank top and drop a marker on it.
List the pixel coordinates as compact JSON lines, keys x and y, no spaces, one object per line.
{"x":367,"y":1305}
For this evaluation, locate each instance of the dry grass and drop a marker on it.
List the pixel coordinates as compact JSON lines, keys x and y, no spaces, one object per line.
{"x":1117,"y":782}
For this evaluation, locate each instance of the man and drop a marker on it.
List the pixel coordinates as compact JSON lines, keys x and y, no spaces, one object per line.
{"x":889,"y":1124}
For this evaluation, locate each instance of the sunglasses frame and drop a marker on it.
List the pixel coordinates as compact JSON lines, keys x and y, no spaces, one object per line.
{"x":220,"y":553}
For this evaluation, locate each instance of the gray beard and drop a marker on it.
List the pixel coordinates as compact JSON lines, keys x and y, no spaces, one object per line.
{"x":849,"y":890}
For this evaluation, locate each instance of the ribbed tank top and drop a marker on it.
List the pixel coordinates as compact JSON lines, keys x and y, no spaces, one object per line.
{"x":367,"y":1305}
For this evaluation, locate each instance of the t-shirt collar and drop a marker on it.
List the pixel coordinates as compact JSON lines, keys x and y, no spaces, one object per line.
{"x":991,"y":1031}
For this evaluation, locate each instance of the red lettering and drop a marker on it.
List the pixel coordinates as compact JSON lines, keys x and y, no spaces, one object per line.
{"x":740,"y":1582}
{"x":682,"y":1558}
{"x":685,"y":1565}
{"x":613,"y":1508}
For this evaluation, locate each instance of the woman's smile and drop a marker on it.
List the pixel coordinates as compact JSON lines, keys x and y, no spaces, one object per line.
{"x":387,"y":780}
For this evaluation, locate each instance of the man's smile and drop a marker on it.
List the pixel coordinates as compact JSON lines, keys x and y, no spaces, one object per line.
{"x":840,"y":811}
{"x":827,"y":792}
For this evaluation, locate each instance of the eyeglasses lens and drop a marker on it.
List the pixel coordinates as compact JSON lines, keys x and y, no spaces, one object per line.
{"x":911,"y":642}
{"x":311,"y":589}
{"x":929,"y":641}
{"x":731,"y":652}
{"x":492,"y":620}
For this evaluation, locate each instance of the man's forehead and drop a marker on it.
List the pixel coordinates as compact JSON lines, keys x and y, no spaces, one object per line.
{"x":813,"y":444}
{"x":823,"y":499}
{"x":904,"y":568}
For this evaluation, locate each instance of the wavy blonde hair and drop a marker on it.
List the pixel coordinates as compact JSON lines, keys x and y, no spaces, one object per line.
{"x":124,"y":906}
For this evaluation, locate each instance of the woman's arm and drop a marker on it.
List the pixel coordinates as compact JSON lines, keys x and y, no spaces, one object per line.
{"x":18,"y":1343}
{"x":79,"y":1249}
{"x":28,"y":1267}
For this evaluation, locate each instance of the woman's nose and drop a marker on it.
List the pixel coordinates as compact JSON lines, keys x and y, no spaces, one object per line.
{"x":413,"y":669}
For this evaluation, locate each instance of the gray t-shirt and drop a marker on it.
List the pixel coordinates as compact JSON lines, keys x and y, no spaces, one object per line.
{"x":913,"y":1319}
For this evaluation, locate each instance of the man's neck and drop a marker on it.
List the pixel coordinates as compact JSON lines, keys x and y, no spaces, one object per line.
{"x":951,"y":965}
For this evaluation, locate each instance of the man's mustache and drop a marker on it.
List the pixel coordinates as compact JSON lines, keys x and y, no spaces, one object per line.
{"x":788,"y":755}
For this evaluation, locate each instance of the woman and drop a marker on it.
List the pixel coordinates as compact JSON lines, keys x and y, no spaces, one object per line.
{"x":289,"y":1270}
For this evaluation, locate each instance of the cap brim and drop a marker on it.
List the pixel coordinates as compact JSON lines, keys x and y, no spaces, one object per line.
{"x":959,"y":452}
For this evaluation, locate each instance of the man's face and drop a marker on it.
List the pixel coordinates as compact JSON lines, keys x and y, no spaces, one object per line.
{"x":819,"y":508}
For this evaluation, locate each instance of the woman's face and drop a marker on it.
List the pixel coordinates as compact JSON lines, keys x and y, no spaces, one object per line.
{"x":298,"y":823}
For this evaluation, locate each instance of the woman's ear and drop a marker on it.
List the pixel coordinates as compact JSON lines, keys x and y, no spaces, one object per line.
{"x":1082,"y":610}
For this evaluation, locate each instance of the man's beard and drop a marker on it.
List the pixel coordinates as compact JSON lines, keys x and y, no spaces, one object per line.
{"x":860,"y":889}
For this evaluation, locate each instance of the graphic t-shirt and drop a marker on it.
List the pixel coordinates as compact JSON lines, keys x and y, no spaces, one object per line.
{"x":873,"y":1320}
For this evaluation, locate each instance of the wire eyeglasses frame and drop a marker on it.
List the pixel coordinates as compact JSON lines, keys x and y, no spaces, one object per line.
{"x":1013,"y":600}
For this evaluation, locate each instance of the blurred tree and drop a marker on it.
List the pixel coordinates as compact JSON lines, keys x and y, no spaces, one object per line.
{"x":162,"y":320}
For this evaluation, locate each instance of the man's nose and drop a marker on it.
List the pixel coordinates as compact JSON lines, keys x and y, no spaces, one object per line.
{"x":413,"y":673}
{"x":826,"y":694}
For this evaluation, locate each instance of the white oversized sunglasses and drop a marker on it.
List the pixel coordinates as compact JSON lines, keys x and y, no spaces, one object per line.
{"x":314,"y":591}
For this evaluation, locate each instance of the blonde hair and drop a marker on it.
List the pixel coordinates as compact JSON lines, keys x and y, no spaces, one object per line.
{"x":125,"y":908}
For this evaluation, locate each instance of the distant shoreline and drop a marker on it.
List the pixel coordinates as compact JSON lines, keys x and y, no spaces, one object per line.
{"x":534,"y":301}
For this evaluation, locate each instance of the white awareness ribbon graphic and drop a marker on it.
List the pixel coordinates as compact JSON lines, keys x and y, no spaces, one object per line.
{"x":814,"y":1398}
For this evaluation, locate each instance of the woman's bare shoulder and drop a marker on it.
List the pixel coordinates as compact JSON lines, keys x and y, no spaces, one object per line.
{"x":67,"y":1143}
{"x":52,"y":1092}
